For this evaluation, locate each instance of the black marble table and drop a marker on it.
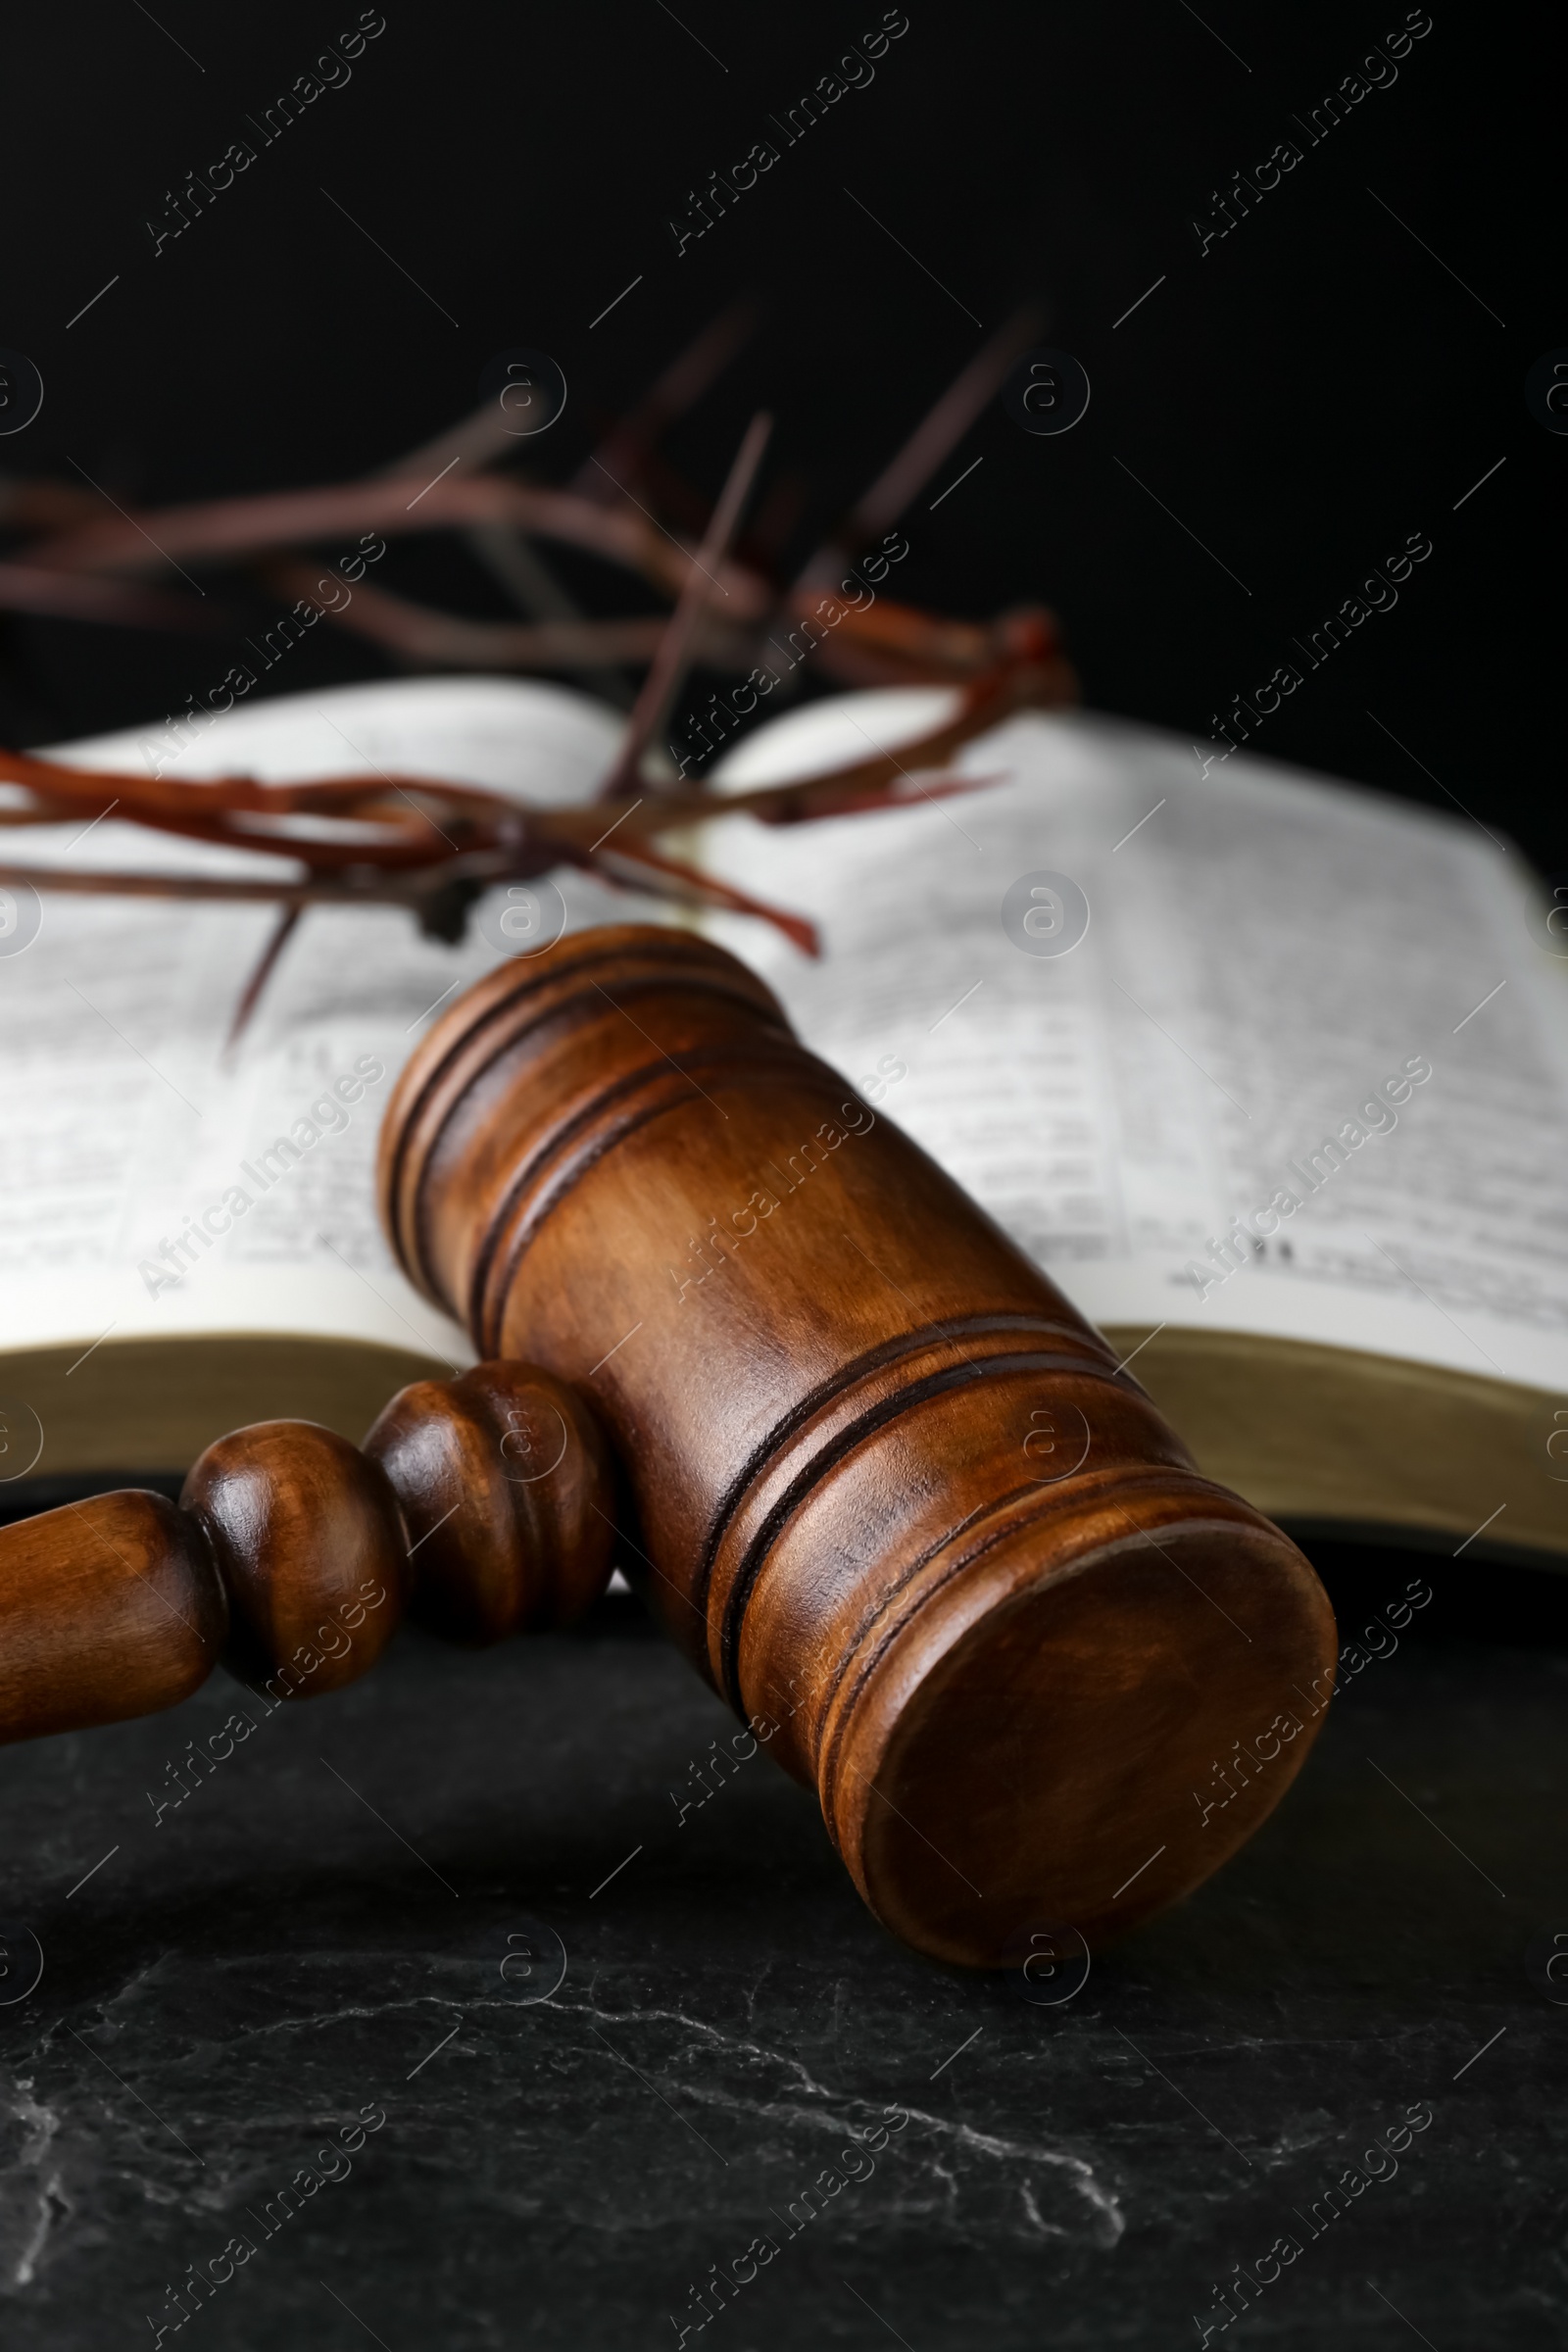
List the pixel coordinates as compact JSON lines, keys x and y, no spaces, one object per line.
{"x":301,"y":2034}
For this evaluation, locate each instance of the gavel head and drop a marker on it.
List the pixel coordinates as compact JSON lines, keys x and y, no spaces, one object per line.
{"x":893,"y":1496}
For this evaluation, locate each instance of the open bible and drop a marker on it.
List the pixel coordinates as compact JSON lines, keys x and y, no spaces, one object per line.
{"x":1271,"y":1075}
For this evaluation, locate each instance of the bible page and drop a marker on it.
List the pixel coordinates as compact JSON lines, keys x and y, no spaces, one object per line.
{"x":1220,"y":1047}
{"x":146,"y":1186}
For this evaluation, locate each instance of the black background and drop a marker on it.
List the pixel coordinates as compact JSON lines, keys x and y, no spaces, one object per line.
{"x":1303,"y":397}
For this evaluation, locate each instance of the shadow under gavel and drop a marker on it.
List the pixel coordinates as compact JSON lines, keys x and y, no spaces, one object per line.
{"x":890,"y":1491}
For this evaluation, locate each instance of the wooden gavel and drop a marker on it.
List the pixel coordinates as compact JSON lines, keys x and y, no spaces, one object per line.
{"x":881,"y":1482}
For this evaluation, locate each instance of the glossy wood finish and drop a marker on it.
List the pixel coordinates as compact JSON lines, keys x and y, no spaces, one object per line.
{"x":309,"y":1541}
{"x":489,"y":1500}
{"x":108,"y":1608}
{"x":508,"y":1492}
{"x":896,"y":1501}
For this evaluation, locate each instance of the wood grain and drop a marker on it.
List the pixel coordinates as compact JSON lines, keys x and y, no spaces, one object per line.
{"x":108,"y":1608}
{"x":309,"y":1541}
{"x":508,"y":1496}
{"x":896,"y":1501}
{"x":490,"y":1500}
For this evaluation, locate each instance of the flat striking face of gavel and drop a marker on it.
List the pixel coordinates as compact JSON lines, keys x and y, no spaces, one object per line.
{"x":886,"y":1488}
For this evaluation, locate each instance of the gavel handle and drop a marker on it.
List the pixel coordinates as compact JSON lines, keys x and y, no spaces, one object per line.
{"x":484,"y":1506}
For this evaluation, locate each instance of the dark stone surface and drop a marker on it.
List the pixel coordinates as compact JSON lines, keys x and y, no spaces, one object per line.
{"x":318,"y":1931}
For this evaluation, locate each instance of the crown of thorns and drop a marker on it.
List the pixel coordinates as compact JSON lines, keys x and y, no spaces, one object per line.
{"x":434,"y":847}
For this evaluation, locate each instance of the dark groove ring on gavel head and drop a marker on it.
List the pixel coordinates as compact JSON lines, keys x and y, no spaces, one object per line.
{"x":508,"y":1496}
{"x":1019,"y":1683}
{"x":309,"y":1541}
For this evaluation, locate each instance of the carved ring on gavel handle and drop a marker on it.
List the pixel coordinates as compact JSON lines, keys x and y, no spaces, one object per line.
{"x":484,"y":1505}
